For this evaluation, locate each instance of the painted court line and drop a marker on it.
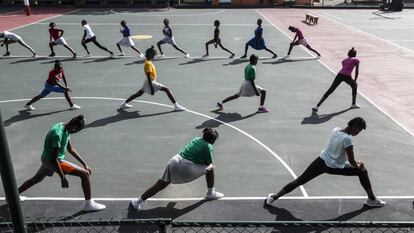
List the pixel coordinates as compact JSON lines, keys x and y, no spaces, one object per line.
{"x":151,"y":14}
{"x":158,"y":24}
{"x":305,"y":194}
{"x":79,"y":57}
{"x":330,"y":69}
{"x":52,"y":17}
{"x":222,"y":199}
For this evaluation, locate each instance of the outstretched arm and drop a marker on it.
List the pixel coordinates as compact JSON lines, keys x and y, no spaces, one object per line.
{"x":75,"y":154}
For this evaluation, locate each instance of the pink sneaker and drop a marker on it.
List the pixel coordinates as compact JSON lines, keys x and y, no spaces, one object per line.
{"x":263,"y":110}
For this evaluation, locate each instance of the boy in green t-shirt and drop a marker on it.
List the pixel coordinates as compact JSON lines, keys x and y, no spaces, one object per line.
{"x":193,"y":161}
{"x":53,"y":161}
{"x":248,"y":87}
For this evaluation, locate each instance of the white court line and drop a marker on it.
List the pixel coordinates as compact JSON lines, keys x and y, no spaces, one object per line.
{"x":305,"y":194}
{"x":222,"y":199}
{"x":79,"y":57}
{"x":52,"y":17}
{"x":327,"y":67}
{"x":158,"y":24}
{"x":151,"y":14}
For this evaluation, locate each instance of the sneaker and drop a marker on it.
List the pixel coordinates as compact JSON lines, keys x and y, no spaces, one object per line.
{"x":52,"y":55}
{"x":6,"y":54}
{"x":375,"y":203}
{"x":121,"y":54}
{"x":93,"y":206}
{"x":34,"y":55}
{"x":137,"y":207}
{"x":219,"y":106}
{"x":141,"y":55}
{"x":232,"y":55}
{"x":161,"y":55}
{"x":214,"y":195}
{"x":187,"y":55}
{"x":74,"y":55}
{"x":29,"y":107}
{"x":111,"y":54}
{"x":270,"y":199}
{"x":125,"y":105}
{"x":88,"y":55}
{"x":206,"y":55}
{"x":274,"y":56}
{"x":178,"y":108}
{"x":286,"y":56}
{"x":74,"y":107}
{"x":315,"y":108}
{"x":263,"y":110}
{"x":355,"y":106}
{"x":22,"y":198}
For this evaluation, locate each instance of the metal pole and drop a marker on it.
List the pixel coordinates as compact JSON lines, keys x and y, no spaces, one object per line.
{"x":9,"y":183}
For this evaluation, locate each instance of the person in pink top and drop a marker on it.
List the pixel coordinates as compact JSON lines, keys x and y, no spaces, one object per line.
{"x":344,"y":75}
{"x":56,"y":38}
{"x":300,"y":41}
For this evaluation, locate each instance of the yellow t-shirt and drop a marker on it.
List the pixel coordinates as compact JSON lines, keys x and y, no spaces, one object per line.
{"x":150,"y":68}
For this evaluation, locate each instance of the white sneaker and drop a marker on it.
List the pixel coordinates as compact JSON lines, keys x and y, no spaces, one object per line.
{"x":87,"y":55}
{"x":22,"y":198}
{"x":74,"y":107}
{"x":286,"y":56}
{"x":137,"y":207}
{"x":93,"y":206}
{"x":29,"y":107}
{"x":178,"y":108}
{"x":187,"y":55}
{"x":141,"y":55}
{"x":214,"y":195}
{"x":375,"y":203}
{"x":125,"y":105}
{"x":161,"y":55}
{"x":315,"y":108}
{"x":121,"y":54}
{"x":355,"y":106}
{"x":34,"y":55}
{"x":269,"y":199}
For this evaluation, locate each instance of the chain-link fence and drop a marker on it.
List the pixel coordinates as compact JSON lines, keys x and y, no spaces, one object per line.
{"x":167,"y":225}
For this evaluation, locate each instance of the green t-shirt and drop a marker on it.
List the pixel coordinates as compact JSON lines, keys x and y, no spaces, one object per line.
{"x":250,"y":72}
{"x":198,"y":151}
{"x":57,"y":137}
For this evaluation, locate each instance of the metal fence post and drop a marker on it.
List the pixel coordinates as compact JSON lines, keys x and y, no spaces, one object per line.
{"x":9,"y":183}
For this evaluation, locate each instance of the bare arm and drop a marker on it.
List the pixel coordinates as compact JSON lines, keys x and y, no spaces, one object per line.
{"x":64,"y":181}
{"x":150,"y":83}
{"x":254,"y":87}
{"x":75,"y":154}
{"x":351,"y":158}
{"x":356,"y":71}
{"x":61,"y":33}
{"x":84,"y":36}
{"x":294,"y":39}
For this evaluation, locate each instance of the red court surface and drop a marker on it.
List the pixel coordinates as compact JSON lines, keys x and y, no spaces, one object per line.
{"x":386,"y":72}
{"x":16,"y":19}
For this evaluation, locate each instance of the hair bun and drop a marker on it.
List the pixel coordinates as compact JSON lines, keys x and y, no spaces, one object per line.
{"x":81,"y":117}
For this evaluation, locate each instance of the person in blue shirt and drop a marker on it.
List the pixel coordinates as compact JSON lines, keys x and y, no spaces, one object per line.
{"x":126,"y":40}
{"x":257,"y":42}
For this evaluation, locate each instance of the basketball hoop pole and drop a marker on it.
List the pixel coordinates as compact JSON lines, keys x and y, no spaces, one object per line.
{"x":27,"y":7}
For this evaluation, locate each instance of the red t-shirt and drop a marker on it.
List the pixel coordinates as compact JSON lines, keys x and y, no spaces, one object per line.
{"x":54,"y":33}
{"x":54,"y":77}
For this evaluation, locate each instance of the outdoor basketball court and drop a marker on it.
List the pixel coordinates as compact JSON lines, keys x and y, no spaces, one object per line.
{"x":256,"y":153}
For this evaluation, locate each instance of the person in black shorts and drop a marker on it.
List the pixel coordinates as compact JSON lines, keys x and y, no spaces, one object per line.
{"x":89,"y":36}
{"x":216,"y":40}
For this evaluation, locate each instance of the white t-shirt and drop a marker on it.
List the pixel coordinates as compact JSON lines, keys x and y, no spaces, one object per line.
{"x":11,"y":36}
{"x":88,"y":30}
{"x":334,"y":154}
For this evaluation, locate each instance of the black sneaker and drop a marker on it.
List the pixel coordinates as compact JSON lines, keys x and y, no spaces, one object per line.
{"x":52,"y":55}
{"x":6,"y":54}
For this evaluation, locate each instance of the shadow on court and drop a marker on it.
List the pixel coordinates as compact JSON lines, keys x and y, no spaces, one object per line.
{"x":285,"y":215}
{"x":24,"y":115}
{"x":198,"y":60}
{"x":158,"y":212}
{"x":104,"y":59}
{"x":52,"y":60}
{"x":29,"y":60}
{"x":121,"y":116}
{"x":142,"y":61}
{"x":315,"y":118}
{"x":288,"y":60}
{"x":224,"y":117}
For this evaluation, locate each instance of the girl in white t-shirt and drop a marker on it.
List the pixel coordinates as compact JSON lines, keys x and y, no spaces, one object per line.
{"x":89,"y":36}
{"x":336,"y":159}
{"x":10,"y":38}
{"x":169,"y":39}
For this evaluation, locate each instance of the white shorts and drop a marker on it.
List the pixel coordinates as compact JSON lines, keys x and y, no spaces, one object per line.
{"x":126,"y":42}
{"x":169,"y":40}
{"x":246,"y":89}
{"x":180,"y":170}
{"x":303,"y":42}
{"x":60,"y":41}
{"x":147,"y":89}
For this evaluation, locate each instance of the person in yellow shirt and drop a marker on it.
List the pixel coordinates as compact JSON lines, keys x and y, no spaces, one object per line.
{"x":151,"y":85}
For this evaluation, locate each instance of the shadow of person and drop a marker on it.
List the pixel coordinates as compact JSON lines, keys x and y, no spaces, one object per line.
{"x":52,"y":60}
{"x":121,"y":116}
{"x":24,"y":115}
{"x":237,"y":61}
{"x":73,"y":216}
{"x":286,"y":60}
{"x":285,"y":215}
{"x":223,"y":117}
{"x":198,"y":60}
{"x":159,"y":212}
{"x":104,"y":59}
{"x":315,"y":118}
{"x":142,"y":61}
{"x":29,"y":60}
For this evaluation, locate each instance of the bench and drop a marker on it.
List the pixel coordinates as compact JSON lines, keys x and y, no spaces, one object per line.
{"x":311,"y":19}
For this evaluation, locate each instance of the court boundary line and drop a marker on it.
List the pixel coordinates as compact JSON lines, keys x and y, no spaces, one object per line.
{"x":326,"y":66}
{"x":158,"y":24}
{"x":202,"y":198}
{"x":79,"y":57}
{"x":151,"y":14}
{"x":305,"y":194}
{"x":52,"y":17}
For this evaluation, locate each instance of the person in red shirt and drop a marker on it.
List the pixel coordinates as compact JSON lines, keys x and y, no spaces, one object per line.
{"x":57,"y":39}
{"x":54,"y":84}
